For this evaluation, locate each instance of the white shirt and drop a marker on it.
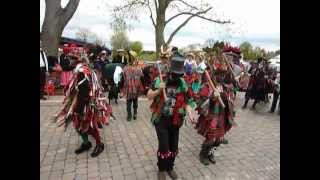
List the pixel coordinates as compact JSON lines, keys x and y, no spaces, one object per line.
{"x":43,"y":62}
{"x":202,"y":65}
{"x":117,"y":75}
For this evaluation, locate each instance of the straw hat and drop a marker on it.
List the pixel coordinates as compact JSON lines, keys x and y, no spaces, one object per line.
{"x":133,"y":53}
{"x":164,"y":55}
{"x":190,"y":54}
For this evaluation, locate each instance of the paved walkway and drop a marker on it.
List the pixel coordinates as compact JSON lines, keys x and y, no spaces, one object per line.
{"x":253,"y":151}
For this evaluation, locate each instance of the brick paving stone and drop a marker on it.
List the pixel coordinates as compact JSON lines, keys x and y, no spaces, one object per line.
{"x":82,"y":171}
{"x":105,"y":174}
{"x":45,"y":168}
{"x":56,"y":174}
{"x":68,"y":176}
{"x":44,"y":175}
{"x":141,"y":174}
{"x":93,"y":174}
{"x":253,"y":151}
{"x":58,"y":165}
{"x":128,"y":171}
{"x":130,"y":177}
{"x":118,"y":176}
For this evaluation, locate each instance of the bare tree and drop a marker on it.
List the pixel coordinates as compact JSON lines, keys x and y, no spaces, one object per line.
{"x":84,"y":34}
{"x":119,"y":39}
{"x":157,"y":12}
{"x":99,"y":41}
{"x":55,"y":20}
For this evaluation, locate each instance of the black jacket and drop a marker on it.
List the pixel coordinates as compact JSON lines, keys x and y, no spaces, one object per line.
{"x":52,"y":61}
{"x":99,"y":64}
{"x":118,"y":59}
{"x":65,"y":63}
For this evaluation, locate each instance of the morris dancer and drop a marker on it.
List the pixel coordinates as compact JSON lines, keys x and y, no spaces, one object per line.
{"x":86,"y":106}
{"x":257,"y":86}
{"x":214,"y":121}
{"x":169,"y":107}
{"x":132,"y":86}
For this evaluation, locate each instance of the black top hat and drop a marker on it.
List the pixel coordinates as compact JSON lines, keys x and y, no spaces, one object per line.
{"x":177,"y":65}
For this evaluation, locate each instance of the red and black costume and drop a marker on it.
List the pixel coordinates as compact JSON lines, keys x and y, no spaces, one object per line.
{"x":86,"y":106}
{"x":168,"y":116}
{"x":132,"y":86}
{"x":257,"y":88}
{"x":214,"y":120}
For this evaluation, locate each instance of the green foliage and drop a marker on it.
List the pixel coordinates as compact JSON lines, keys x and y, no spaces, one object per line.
{"x":148,"y":56}
{"x":215,"y":47}
{"x":119,"y":38}
{"x":253,"y":53}
{"x":136,"y":46}
{"x":246,"y":49}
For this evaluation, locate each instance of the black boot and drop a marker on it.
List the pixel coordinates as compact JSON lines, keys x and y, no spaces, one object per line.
{"x":134,"y":114}
{"x":211,"y":155}
{"x":245,"y":104}
{"x":83,"y":147}
{"x":203,"y":155}
{"x":135,"y":108}
{"x":97,"y":150}
{"x":224,"y":141}
{"x":254,"y":105}
{"x":129,"y":117}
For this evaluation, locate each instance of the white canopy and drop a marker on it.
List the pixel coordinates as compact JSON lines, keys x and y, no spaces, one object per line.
{"x":275,"y":62}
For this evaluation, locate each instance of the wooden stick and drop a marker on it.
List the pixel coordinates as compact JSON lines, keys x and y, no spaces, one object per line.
{"x":214,"y":88}
{"x":229,"y":66}
{"x":161,"y":80}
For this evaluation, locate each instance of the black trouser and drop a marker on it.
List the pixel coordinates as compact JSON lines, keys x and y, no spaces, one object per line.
{"x":168,"y":139}
{"x":135,"y":106}
{"x":104,"y":84}
{"x":274,"y":101}
{"x":42,"y":80}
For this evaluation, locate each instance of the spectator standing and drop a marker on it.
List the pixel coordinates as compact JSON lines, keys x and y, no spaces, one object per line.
{"x":100,"y":62}
{"x":120,"y":57}
{"x":44,"y":71}
{"x":65,"y":64}
{"x":132,"y":86}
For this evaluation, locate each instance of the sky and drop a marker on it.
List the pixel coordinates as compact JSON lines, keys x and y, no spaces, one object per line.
{"x":256,"y":21}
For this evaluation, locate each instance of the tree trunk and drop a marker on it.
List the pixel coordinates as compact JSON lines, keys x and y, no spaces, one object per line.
{"x":159,"y":40}
{"x":55,"y":20}
{"x":51,"y":33}
{"x":159,"y":29}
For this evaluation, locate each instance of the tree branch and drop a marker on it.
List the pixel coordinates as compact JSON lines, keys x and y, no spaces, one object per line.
{"x":151,"y":16}
{"x":198,"y":14}
{"x":68,"y":11}
{"x":177,"y":15}
{"x":156,"y":4}
{"x":129,"y":6}
{"x":213,"y":20}
{"x":187,"y":4}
